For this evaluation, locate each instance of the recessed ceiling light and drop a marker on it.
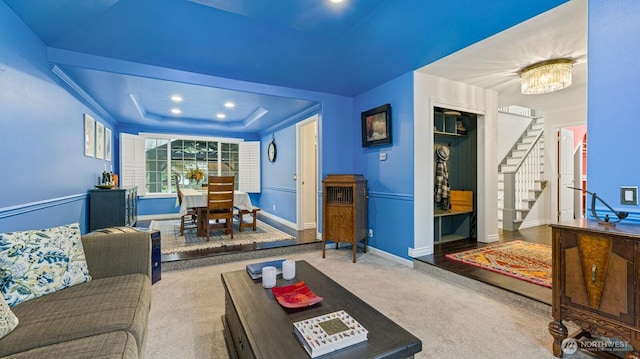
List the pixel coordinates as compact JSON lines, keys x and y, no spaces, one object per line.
{"x":176,"y":111}
{"x":229,"y":104}
{"x":176,"y":98}
{"x":336,"y":1}
{"x":221,"y":115}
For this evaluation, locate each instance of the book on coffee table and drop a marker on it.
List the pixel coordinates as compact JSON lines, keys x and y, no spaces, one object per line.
{"x":330,"y":332}
{"x":255,"y":269}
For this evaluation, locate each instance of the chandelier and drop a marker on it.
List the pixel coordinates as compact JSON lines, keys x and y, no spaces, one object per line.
{"x":546,"y":76}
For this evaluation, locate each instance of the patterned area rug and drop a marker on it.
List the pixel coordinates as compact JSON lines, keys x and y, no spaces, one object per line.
{"x":526,"y":261}
{"x":172,"y":242}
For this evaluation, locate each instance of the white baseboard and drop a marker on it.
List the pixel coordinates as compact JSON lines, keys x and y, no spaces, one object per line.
{"x":331,"y":245}
{"x":378,"y":252}
{"x":490,"y":238}
{"x":529,"y":224}
{"x":419,"y":252}
{"x":391,"y":257}
{"x":278,"y":219}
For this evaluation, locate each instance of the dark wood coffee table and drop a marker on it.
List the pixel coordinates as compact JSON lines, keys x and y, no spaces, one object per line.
{"x":256,"y":326}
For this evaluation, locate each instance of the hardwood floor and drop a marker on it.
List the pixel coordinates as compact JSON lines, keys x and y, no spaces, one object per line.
{"x":539,"y":234}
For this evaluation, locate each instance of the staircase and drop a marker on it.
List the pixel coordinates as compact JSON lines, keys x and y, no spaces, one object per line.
{"x":521,"y":175}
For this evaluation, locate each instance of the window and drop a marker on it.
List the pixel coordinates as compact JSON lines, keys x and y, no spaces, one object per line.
{"x":165,"y":158}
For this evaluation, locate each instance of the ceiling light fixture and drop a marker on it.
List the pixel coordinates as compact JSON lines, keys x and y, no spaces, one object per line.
{"x":176,"y":98}
{"x":229,"y":104}
{"x":221,"y":116}
{"x":176,"y":111}
{"x":336,"y":1}
{"x":546,"y":76}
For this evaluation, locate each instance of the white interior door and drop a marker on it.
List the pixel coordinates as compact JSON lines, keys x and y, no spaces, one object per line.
{"x":565,"y":172}
{"x":307,"y":186}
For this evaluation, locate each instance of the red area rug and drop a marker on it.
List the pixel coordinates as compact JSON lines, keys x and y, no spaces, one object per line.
{"x":526,"y":261}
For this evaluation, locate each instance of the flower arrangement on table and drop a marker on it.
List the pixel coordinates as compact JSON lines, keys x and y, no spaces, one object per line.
{"x":195,"y":174}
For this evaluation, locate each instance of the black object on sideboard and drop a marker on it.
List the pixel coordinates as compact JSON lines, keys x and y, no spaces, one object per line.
{"x":112,"y":207}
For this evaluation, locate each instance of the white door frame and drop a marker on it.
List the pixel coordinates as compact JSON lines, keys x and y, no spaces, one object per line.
{"x":300,"y":145}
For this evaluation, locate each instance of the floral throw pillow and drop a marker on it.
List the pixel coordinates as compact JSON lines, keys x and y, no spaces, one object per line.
{"x":39,"y":262}
{"x":8,"y":320}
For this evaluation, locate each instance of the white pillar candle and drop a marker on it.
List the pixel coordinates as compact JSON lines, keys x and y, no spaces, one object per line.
{"x":288,"y":269}
{"x":269,"y":276}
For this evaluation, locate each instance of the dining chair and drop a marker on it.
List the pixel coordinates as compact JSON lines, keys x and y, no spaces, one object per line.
{"x":220,"y":193}
{"x":189,"y":219}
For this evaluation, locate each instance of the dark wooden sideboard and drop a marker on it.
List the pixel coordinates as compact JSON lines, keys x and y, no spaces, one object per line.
{"x":113,"y":207}
{"x":595,"y":274}
{"x":256,"y":326}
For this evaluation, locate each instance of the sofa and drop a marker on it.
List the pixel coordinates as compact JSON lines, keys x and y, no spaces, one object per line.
{"x":104,"y":317}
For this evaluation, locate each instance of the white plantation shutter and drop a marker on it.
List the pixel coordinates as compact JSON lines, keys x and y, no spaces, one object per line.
{"x":132,"y":162}
{"x":249,"y":173}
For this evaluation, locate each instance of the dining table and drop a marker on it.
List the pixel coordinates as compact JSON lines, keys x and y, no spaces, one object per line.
{"x":197,"y":198}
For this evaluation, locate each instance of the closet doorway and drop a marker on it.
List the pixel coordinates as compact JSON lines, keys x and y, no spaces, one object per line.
{"x":455,"y":174}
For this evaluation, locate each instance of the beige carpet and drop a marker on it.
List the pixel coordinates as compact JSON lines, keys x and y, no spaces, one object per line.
{"x":173,"y":242}
{"x":452,"y":321}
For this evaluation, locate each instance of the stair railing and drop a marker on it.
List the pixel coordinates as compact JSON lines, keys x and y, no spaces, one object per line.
{"x":521,"y":181}
{"x":524,"y":132}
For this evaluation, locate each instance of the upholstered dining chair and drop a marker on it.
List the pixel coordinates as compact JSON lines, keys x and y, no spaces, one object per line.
{"x":220,"y":193}
{"x":189,"y":219}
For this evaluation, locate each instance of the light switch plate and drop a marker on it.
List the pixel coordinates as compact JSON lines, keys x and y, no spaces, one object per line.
{"x":383,"y":156}
{"x":629,"y":195}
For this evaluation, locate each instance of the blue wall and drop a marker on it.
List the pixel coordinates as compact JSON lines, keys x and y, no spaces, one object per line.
{"x":335,"y":130}
{"x":278,"y":195}
{"x":613,"y":94}
{"x":42,"y":129}
{"x":390,"y":182}
{"x":45,"y":175}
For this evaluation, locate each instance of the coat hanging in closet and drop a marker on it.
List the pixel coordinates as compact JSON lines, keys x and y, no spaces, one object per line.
{"x":442,"y":189}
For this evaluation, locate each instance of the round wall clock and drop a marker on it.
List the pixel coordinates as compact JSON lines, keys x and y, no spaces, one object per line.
{"x":272,"y":151}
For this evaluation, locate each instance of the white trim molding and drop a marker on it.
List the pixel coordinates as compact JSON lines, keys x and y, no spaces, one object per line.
{"x":419,"y":252}
{"x":431,"y":91}
{"x":391,"y":257}
{"x":490,"y":238}
{"x":278,"y":219}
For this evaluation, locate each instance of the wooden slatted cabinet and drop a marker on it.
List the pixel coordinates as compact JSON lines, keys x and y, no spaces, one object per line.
{"x":344,"y":210}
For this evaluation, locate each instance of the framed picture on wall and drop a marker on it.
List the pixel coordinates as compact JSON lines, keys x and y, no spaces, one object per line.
{"x":99,"y":140}
{"x":89,"y":136}
{"x":376,"y":126}
{"x":107,"y":144}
